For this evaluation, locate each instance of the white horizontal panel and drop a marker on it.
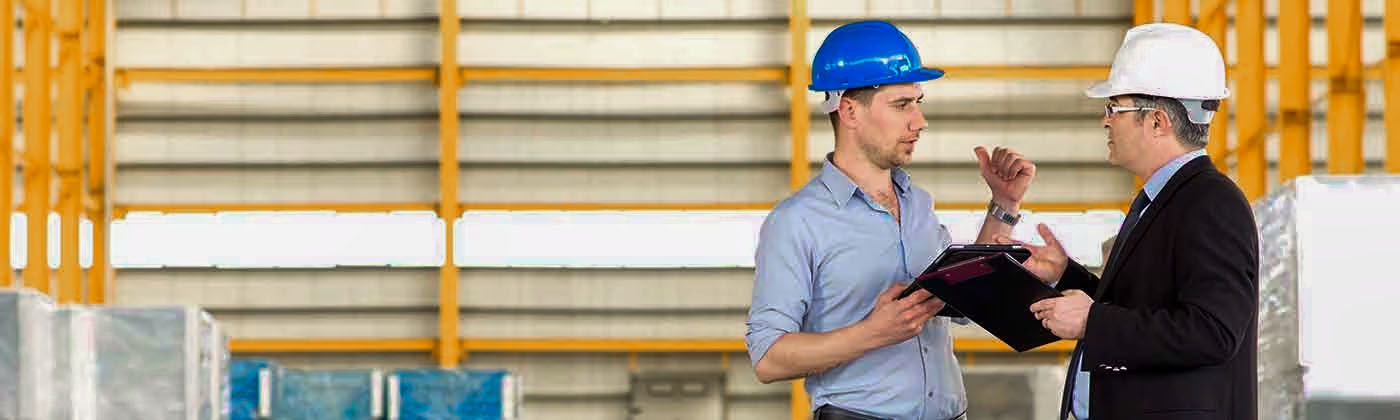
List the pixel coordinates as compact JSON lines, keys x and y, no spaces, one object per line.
{"x":19,"y":241}
{"x":329,"y":325}
{"x":281,"y":289}
{"x":697,"y":239}
{"x":286,"y":239}
{"x":652,"y":239}
{"x":281,"y":185}
{"x":602,"y":289}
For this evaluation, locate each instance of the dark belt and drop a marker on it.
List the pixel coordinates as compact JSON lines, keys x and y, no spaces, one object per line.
{"x":831,"y":412}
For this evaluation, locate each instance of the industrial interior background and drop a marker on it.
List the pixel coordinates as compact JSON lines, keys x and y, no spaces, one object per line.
{"x":287,"y":164}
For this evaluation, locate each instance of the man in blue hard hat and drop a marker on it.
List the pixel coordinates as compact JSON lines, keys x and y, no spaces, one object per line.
{"x":833,"y":257}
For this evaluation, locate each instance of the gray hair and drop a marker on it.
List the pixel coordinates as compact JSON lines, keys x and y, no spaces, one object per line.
{"x":1189,"y":134}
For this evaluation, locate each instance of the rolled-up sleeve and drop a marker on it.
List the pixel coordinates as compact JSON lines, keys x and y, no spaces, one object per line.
{"x":782,"y":283}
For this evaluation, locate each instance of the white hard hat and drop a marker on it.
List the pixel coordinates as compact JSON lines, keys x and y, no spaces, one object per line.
{"x":1168,"y":60}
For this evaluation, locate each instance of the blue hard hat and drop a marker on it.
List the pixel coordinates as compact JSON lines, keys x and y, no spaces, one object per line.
{"x":867,"y":53}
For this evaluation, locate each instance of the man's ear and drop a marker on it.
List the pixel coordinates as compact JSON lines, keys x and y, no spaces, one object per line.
{"x":1161,"y":124}
{"x":846,"y":111}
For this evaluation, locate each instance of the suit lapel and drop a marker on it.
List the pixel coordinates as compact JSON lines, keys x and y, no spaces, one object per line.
{"x":1115,"y":263}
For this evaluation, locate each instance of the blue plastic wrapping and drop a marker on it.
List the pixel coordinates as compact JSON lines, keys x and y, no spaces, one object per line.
{"x":246,"y":387}
{"x":435,"y":394}
{"x":326,"y":395}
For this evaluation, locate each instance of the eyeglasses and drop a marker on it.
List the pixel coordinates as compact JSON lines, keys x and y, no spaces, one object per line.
{"x":1109,"y":110}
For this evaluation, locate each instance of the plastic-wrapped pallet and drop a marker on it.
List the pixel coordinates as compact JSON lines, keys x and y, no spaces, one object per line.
{"x":1325,"y":277}
{"x":251,"y":383}
{"x":149,"y":363}
{"x":458,"y":394}
{"x":26,"y":355}
{"x":75,"y":364}
{"x":329,"y":395}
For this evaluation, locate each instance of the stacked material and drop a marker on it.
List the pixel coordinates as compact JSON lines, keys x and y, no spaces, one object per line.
{"x":422,"y":394}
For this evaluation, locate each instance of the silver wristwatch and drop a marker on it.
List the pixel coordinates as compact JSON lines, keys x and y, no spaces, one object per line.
{"x":1001,"y":214}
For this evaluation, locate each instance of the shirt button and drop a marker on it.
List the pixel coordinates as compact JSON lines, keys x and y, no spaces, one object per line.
{"x":925,"y":349}
{"x":930,"y":395}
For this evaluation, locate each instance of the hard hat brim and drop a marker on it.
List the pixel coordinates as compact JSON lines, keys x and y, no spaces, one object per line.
{"x":915,"y":76}
{"x":1102,"y":89}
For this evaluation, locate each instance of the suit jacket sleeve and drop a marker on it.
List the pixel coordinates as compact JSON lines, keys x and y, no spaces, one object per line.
{"x":1216,"y":259}
{"x":1076,"y":276}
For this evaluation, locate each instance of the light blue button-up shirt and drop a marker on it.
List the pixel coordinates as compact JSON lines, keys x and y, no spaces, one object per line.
{"x":1152,"y":187}
{"x":824,"y":255}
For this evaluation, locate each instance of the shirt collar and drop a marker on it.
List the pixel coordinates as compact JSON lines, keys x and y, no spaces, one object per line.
{"x":842,"y":188}
{"x":1158,"y":181}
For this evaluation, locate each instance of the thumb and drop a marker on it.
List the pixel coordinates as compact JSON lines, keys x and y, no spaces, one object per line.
{"x":893,"y":291}
{"x":1003,"y":239}
{"x":1074,"y":292}
{"x":983,"y":159}
{"x":1048,"y":236}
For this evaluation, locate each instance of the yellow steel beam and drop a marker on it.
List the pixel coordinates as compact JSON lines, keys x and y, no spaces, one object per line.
{"x":450,"y":81}
{"x":7,"y":136}
{"x":563,"y":345}
{"x":121,"y":210}
{"x":799,"y":117}
{"x":1295,"y":110}
{"x":99,"y":168}
{"x":620,"y":206}
{"x":1392,"y":86}
{"x":1346,"y":97}
{"x":36,"y":143}
{"x":1177,"y":11}
{"x":70,"y":148}
{"x":127,"y":76}
{"x":1142,"y":11}
{"x":600,"y":345}
{"x":410,"y":345}
{"x":1214,"y":22}
{"x":1250,"y":109}
{"x":583,"y":74}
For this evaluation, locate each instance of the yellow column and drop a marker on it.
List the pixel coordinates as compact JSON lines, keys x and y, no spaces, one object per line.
{"x":7,"y":137}
{"x":448,"y":350}
{"x":1250,"y":110}
{"x":799,"y":117}
{"x":801,"y":407}
{"x":1346,"y":98}
{"x":800,"y":121}
{"x":1392,"y":86}
{"x":70,"y":148}
{"x":1214,"y":23}
{"x":1143,"y":12}
{"x":37,"y":141}
{"x":1177,"y":11}
{"x":1295,"y":112}
{"x":99,"y":172}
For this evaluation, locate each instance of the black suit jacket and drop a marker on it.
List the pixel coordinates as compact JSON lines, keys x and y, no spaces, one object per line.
{"x":1172,"y":333}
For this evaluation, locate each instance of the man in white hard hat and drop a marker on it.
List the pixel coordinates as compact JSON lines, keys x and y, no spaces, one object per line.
{"x":833,"y":258}
{"x":1169,"y":330}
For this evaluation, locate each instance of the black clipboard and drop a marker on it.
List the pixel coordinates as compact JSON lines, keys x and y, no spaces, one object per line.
{"x":996,"y":292}
{"x":962,"y":252}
